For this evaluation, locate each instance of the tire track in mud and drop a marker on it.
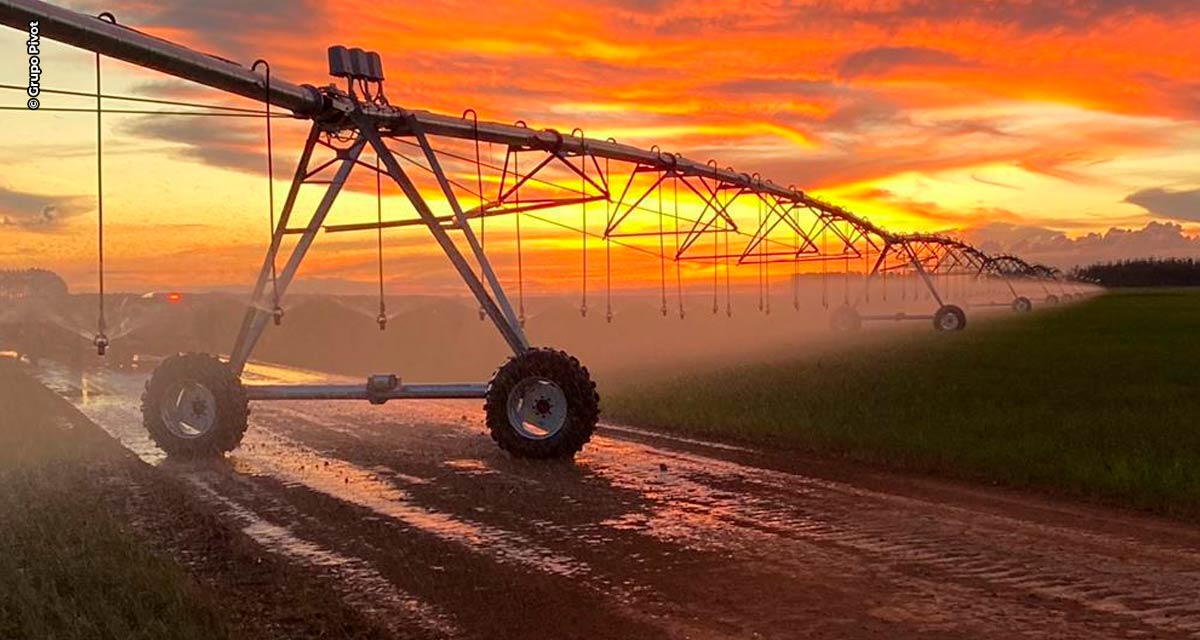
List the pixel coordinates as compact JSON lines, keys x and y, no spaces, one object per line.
{"x":109,"y":402}
{"x":1105,"y":574}
{"x":722,"y":507}
{"x":687,"y":543}
{"x":316,"y":536}
{"x":355,"y":580}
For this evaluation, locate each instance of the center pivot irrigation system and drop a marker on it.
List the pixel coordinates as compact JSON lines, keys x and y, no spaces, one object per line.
{"x":541,"y":403}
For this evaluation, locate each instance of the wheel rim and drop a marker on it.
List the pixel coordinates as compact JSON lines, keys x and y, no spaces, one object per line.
{"x":949,"y":321}
{"x":189,"y":410}
{"x":537,"y":408}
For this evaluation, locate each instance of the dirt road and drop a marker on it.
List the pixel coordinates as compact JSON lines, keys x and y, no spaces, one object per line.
{"x":414,"y":517}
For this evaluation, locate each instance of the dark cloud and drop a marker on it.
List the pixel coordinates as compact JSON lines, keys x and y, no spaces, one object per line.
{"x":1066,"y":14}
{"x":993,"y":183}
{"x":233,"y":27}
{"x":1027,"y":15}
{"x":881,"y":60}
{"x":220,"y":142}
{"x":40,"y":212}
{"x":1177,"y":205}
{"x":778,"y":86}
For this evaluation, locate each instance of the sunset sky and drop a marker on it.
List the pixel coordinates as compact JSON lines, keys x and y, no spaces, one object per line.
{"x":1027,"y":126}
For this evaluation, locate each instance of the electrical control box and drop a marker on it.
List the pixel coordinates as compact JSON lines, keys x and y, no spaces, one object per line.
{"x":355,"y":64}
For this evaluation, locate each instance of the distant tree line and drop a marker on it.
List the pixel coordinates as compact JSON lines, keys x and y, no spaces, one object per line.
{"x":1143,"y":272}
{"x":31,"y":283}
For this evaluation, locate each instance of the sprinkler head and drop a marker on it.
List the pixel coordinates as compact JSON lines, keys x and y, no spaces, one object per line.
{"x":382,"y":320}
{"x":101,"y":343}
{"x":277,"y":314}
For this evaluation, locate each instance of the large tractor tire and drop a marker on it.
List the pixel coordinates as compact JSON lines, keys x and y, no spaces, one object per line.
{"x":194,"y":406}
{"x":950,"y":318}
{"x":542,"y":404}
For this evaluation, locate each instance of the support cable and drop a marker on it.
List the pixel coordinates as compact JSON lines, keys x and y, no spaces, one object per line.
{"x":479,"y":185}
{"x":766,"y":279}
{"x":101,"y":339}
{"x":883,"y":274}
{"x":520,"y":257}
{"x":825,"y":267}
{"x":382,"y":318}
{"x":662,"y":249}
{"x":174,"y":103}
{"x":728,"y":279}
{"x":796,"y":266}
{"x":866,"y":268}
{"x":678,"y":262}
{"x":762,"y":252}
{"x":141,"y":112}
{"x":608,"y":314}
{"x":716,"y":269}
{"x":276,"y":310}
{"x":761,"y":305}
{"x":583,"y":304}
{"x":846,"y":278}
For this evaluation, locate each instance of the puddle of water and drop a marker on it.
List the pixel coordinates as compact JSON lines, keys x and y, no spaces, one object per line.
{"x":470,"y":466}
{"x":291,"y":462}
{"x":111,"y":399}
{"x":620,"y":428}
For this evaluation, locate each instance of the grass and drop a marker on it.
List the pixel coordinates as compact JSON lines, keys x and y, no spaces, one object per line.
{"x":68,"y":569}
{"x":1099,"y":399}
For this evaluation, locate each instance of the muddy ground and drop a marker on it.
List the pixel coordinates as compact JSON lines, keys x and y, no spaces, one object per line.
{"x":412,"y":519}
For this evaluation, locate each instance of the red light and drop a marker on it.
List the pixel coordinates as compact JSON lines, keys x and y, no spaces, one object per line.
{"x":174,"y":297}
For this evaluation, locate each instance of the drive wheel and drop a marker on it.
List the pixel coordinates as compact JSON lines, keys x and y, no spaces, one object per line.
{"x":846,"y":320}
{"x":1022,"y":305}
{"x":542,"y":404}
{"x":1052,"y":299}
{"x":194,"y":406}
{"x":950,"y":318}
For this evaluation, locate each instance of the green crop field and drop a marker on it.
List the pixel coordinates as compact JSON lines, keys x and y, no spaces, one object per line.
{"x":1099,"y":399}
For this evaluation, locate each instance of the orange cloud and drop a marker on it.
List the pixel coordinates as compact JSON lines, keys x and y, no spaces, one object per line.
{"x":843,"y":98}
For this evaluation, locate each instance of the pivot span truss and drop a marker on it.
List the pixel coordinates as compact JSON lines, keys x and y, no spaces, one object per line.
{"x":541,"y":403}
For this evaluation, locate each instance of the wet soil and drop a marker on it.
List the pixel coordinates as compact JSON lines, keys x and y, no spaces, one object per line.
{"x":259,"y":595}
{"x":412,"y":519}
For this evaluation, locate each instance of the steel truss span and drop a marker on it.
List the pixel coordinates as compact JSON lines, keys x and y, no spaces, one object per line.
{"x":707,"y":213}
